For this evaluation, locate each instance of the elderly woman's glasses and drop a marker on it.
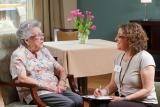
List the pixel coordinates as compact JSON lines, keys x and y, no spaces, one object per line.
{"x":38,"y":36}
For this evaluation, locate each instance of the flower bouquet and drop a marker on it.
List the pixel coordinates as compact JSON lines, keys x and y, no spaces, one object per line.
{"x":82,"y":23}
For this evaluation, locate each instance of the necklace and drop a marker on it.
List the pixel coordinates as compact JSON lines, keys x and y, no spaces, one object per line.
{"x":120,"y":75}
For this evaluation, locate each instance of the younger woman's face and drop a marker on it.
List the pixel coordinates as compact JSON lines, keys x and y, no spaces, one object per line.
{"x":122,"y":41}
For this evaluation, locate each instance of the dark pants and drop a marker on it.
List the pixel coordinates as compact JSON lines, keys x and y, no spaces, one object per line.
{"x":99,"y":103}
{"x":130,"y":104}
{"x":65,"y":99}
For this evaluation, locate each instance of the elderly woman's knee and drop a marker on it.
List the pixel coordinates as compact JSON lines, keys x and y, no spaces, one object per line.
{"x":79,"y":101}
{"x":70,"y":103}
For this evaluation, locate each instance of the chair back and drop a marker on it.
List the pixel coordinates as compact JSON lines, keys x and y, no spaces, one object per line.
{"x":65,"y":34}
{"x":8,"y":43}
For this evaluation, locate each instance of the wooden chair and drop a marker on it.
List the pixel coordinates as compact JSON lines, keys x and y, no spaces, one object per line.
{"x":61,"y":34}
{"x":8,"y":43}
{"x":34,"y":88}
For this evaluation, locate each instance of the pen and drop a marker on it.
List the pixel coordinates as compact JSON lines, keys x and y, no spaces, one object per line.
{"x":100,"y":87}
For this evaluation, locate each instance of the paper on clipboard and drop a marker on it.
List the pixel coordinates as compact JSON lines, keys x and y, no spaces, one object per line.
{"x":97,"y":98}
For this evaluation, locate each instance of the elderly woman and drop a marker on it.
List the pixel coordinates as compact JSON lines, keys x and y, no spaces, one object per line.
{"x":134,"y":70}
{"x":33,"y":64}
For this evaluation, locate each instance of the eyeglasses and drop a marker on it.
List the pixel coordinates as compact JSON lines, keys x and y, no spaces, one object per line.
{"x":121,"y":36}
{"x":38,"y":36}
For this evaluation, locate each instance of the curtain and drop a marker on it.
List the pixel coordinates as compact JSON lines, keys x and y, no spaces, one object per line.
{"x":29,"y":9}
{"x":50,"y":14}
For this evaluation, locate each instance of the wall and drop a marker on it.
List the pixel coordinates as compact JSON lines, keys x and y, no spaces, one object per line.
{"x":110,"y":13}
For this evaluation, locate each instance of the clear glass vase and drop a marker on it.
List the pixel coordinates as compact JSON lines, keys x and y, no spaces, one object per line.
{"x":83,"y":38}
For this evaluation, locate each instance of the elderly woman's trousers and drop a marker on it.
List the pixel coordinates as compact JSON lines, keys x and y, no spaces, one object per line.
{"x":65,"y":99}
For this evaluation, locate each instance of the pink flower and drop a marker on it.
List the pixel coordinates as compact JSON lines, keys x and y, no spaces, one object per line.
{"x":93,"y":27}
{"x":88,"y":13}
{"x":69,"y":19}
{"x":73,"y":13}
{"x":91,"y":18}
{"x":79,"y":14}
{"x":82,"y":22}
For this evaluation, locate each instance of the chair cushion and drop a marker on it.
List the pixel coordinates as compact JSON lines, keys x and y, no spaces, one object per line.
{"x":18,"y":104}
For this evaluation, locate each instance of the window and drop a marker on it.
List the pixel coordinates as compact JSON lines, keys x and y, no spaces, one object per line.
{"x":12,"y":12}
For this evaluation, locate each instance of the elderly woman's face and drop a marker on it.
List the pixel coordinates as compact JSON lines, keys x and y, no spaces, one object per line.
{"x":122,"y":41}
{"x":35,"y":42}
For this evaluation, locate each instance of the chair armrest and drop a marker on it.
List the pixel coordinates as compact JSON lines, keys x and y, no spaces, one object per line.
{"x":71,"y":80}
{"x":72,"y":83}
{"x":33,"y":89}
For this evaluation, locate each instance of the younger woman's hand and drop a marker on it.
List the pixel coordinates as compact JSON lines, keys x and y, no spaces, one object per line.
{"x":117,"y":98}
{"x":99,"y":92}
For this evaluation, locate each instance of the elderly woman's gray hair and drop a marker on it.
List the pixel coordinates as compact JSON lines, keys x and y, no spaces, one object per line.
{"x":25,"y":29}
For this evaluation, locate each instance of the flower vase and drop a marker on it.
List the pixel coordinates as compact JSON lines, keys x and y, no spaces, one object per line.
{"x":83,"y":38}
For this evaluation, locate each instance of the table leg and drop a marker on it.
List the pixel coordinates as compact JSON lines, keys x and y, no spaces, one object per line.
{"x":83,"y":85}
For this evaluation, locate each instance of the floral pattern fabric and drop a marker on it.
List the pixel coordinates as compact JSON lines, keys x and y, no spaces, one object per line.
{"x":41,"y":68}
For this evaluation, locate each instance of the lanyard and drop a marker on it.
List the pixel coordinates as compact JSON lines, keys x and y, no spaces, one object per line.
{"x":121,"y":80}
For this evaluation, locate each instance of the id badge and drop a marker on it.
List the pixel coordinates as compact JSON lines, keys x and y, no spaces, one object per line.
{"x":117,"y":68}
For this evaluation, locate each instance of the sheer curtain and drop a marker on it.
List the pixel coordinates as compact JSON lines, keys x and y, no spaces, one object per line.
{"x":12,"y":13}
{"x":30,"y":9}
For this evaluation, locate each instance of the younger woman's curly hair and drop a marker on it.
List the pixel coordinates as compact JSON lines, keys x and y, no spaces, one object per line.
{"x":137,"y":37}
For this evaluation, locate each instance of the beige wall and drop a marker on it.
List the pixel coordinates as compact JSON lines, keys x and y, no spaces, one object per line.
{"x":68,"y":6}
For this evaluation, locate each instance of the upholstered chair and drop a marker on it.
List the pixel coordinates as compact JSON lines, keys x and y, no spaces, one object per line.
{"x":9,"y":95}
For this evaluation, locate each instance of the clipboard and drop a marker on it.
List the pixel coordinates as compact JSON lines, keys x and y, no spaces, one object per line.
{"x":97,"y":98}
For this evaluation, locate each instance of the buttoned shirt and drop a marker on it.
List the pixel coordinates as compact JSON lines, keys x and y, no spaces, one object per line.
{"x":40,"y":68}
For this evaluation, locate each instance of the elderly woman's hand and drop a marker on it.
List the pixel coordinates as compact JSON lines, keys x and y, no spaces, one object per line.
{"x":61,"y":86}
{"x":49,"y":87}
